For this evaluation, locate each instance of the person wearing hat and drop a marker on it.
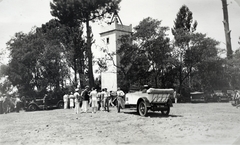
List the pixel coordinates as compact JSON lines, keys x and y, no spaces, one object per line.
{"x":85,"y":96}
{"x":77,"y":100}
{"x":145,"y":88}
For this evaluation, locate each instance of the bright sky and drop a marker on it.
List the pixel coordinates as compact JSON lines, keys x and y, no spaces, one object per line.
{"x":22,"y":15}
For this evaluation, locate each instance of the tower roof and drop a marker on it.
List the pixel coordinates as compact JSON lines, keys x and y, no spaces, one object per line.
{"x":116,"y":27}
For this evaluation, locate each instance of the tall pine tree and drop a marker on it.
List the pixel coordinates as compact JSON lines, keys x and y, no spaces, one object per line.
{"x":182,"y":29}
{"x":84,"y":11}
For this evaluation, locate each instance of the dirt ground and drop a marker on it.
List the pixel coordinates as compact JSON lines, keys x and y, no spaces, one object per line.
{"x":198,"y":123}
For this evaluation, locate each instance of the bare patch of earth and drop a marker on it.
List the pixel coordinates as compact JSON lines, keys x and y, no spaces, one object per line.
{"x":199,"y":123}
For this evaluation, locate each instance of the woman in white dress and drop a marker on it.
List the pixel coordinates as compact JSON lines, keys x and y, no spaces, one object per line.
{"x":65,"y":100}
{"x":71,"y":97}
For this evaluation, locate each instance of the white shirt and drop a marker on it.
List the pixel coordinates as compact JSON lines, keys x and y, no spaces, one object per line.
{"x":76,"y":94}
{"x":71,"y":96}
{"x":94,"y":95}
{"x":65,"y":98}
{"x":120,"y":93}
{"x":237,"y":95}
{"x":105,"y":95}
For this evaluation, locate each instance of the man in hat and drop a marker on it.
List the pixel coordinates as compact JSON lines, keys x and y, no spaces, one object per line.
{"x":145,"y":88}
{"x":85,"y":96}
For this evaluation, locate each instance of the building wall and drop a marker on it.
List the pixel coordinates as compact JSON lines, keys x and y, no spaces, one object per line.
{"x":110,"y":47}
{"x":110,"y":36}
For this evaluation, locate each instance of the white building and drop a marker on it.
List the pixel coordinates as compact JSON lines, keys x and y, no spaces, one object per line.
{"x":109,"y":37}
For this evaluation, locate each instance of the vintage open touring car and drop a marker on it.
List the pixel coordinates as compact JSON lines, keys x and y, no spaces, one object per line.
{"x":153,"y":99}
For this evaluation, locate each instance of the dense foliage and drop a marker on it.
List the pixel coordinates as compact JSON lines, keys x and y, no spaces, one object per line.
{"x":72,"y":12}
{"x":44,"y":59}
{"x":191,"y":62}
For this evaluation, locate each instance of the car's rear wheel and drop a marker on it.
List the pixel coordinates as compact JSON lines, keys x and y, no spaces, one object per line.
{"x":32,"y":107}
{"x":60,"y":105}
{"x":142,"y":108}
{"x":166,"y":112}
{"x":219,"y":99}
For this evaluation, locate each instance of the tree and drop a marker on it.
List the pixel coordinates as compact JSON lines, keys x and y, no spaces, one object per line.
{"x":67,"y":14}
{"x":133,"y":66}
{"x":84,"y":11}
{"x":153,"y":41}
{"x":182,"y":30}
{"x":183,"y":23}
{"x":226,"y":29}
{"x":232,"y":70}
{"x":5,"y":84}
{"x":146,"y":59}
{"x":74,"y":49}
{"x":37,"y":60}
{"x":203,"y":63}
{"x":3,"y":70}
{"x":22,"y":62}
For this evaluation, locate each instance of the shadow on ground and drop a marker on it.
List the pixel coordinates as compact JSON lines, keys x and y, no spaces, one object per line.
{"x":154,"y":114}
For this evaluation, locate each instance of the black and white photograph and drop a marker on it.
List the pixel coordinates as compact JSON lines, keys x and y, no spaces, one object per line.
{"x":119,"y":72}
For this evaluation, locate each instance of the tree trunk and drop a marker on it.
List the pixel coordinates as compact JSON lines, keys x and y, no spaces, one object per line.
{"x":89,"y":54}
{"x":226,"y":29}
{"x":156,"y":81}
{"x":180,"y":74}
{"x":75,"y":69}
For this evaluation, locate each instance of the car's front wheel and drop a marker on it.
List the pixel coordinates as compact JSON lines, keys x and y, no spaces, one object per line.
{"x":142,"y":108}
{"x":32,"y":107}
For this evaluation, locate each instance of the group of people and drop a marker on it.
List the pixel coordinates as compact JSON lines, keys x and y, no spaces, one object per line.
{"x":98,"y":100}
{"x":8,"y":104}
{"x":236,"y":98}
